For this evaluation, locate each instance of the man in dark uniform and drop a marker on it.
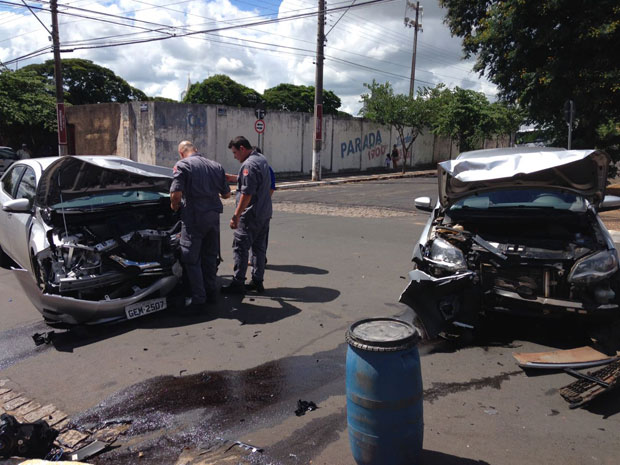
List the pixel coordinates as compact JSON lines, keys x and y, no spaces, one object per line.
{"x":251,"y":218}
{"x":196,"y":188}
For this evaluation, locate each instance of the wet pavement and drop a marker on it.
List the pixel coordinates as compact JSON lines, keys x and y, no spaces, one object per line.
{"x":202,"y":409}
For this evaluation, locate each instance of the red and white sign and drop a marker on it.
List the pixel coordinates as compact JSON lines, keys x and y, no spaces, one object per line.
{"x":259,"y":126}
{"x":318,"y":118}
{"x":62,"y":124}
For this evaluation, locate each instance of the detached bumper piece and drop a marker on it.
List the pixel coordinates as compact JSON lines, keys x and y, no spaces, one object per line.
{"x":599,"y":382}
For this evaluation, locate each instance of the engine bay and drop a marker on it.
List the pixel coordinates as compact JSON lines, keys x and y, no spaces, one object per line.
{"x":109,"y":254}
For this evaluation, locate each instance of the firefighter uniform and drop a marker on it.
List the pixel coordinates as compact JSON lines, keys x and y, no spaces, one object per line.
{"x":202,"y":181}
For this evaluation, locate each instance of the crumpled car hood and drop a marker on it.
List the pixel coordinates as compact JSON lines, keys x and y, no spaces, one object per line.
{"x":581,"y":171}
{"x":73,"y":176}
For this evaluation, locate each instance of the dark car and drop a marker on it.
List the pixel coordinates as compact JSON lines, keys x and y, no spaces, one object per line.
{"x":515,"y":231}
{"x":7,"y":157}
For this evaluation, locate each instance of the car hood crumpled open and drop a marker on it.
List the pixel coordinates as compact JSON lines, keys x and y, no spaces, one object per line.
{"x":581,"y":171}
{"x":72,"y":176}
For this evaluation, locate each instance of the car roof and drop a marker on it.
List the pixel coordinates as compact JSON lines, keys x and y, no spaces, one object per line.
{"x":484,"y":153}
{"x":44,"y":162}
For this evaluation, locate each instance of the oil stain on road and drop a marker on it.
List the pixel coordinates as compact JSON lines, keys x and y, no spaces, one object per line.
{"x":170,"y":414}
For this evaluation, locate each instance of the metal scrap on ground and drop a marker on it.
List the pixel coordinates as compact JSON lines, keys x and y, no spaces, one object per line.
{"x":583,"y":391}
{"x":581,"y":357}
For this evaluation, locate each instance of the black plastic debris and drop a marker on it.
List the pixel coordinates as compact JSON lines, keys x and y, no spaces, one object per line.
{"x":304,"y":406}
{"x":87,"y":451}
{"x":591,"y":385}
{"x":30,"y":440}
{"x":43,"y":338}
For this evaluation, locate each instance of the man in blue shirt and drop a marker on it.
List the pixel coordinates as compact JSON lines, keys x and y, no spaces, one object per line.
{"x":250,"y":221}
{"x":197,"y":185}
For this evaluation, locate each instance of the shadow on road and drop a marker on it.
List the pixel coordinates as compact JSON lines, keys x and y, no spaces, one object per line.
{"x":431,"y":457}
{"x":296,"y":269}
{"x":252,"y":309}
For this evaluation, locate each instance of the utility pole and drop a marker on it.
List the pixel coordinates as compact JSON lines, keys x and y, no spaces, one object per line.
{"x":569,"y":116}
{"x":60,"y":105}
{"x":318,"y":95}
{"x":416,"y":24}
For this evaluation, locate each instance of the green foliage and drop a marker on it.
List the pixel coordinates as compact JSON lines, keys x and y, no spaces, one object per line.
{"x":85,"y":82}
{"x":398,"y":110}
{"x":468,"y":117}
{"x":27,"y":108}
{"x":222,"y":90}
{"x":163,"y":99}
{"x":541,"y":53}
{"x":289,"y":97}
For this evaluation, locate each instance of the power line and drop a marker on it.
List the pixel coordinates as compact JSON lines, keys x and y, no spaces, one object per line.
{"x":34,"y":14}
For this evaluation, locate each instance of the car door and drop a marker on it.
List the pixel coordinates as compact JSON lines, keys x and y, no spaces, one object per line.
{"x":8,"y":186}
{"x":19,"y":224}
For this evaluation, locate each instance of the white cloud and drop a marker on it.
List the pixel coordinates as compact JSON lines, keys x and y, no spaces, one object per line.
{"x":367,"y":43}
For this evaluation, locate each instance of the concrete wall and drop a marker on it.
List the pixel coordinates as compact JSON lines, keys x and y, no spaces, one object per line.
{"x":96,"y":127}
{"x":149,"y":132}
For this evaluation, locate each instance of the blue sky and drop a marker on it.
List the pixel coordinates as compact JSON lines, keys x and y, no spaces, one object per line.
{"x":366,"y":43}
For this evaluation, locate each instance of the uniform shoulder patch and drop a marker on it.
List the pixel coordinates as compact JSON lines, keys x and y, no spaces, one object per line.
{"x":246,"y":172}
{"x":175,"y":169}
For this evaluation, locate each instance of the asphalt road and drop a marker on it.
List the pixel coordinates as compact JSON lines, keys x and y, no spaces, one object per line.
{"x":237,"y":371}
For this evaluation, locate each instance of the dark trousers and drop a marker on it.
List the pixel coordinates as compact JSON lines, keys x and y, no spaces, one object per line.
{"x":253,"y":235}
{"x":200,"y":246}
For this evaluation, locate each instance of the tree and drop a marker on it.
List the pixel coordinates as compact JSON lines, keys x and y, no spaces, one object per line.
{"x":465,"y":115}
{"x":398,"y":110}
{"x":222,"y":90}
{"x":289,"y":97}
{"x":85,"y":82}
{"x":27,"y":109}
{"x":541,"y":53}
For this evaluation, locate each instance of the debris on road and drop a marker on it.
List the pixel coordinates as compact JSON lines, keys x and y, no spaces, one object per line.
{"x":592,"y":385}
{"x":304,"y":406}
{"x":245,"y":446}
{"x":88,"y":451}
{"x":581,"y":357}
{"x":43,"y":338}
{"x":30,"y":440}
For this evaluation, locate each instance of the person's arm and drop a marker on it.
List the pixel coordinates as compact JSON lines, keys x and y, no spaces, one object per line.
{"x":226,"y":195}
{"x":231,"y":177}
{"x":244,"y":201}
{"x":175,"y":200}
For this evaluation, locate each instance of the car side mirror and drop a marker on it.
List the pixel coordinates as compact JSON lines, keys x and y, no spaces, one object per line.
{"x":424,"y":204}
{"x":17,"y":206}
{"x":610,"y":202}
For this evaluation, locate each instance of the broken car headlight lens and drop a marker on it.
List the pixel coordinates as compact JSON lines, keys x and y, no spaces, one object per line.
{"x":447,"y":256}
{"x":594,"y":267}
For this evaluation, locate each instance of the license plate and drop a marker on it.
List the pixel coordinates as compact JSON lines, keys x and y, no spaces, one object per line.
{"x":145,"y":307}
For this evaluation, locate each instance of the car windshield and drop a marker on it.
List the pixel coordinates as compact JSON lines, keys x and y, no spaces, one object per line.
{"x":103,"y":199}
{"x":522,"y":199}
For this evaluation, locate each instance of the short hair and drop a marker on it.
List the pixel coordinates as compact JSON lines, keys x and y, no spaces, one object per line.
{"x":186,"y":145}
{"x":239,"y":142}
{"x":256,"y":148}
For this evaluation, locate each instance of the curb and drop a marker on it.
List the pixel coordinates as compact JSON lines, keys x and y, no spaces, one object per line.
{"x":615,"y":235}
{"x":376,"y":177}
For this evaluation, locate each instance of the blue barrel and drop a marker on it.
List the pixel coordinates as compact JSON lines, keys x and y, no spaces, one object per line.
{"x":384,"y":393}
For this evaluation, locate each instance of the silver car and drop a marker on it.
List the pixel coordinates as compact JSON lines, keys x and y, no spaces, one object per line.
{"x":515,"y":231}
{"x":91,"y":239}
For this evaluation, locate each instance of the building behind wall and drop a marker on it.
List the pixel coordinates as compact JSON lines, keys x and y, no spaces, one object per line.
{"x":149,"y":132}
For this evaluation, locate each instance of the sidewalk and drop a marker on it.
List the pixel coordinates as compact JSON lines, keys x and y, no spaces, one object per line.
{"x":298,"y":184}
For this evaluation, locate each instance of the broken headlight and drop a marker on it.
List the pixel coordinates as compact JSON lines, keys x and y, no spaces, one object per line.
{"x":594,"y":267}
{"x":447,"y":256}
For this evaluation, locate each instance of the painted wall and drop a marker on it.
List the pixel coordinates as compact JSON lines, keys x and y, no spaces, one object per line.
{"x":150,"y":132}
{"x":96,"y":128}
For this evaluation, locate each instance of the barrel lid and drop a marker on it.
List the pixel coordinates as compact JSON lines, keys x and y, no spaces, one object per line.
{"x":382,"y":334}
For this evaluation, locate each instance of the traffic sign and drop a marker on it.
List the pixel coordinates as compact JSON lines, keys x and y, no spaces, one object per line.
{"x":259,"y":126}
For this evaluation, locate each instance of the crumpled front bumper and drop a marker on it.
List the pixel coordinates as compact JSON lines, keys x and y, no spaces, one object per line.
{"x":71,"y":311}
